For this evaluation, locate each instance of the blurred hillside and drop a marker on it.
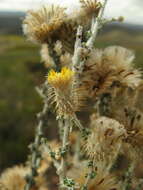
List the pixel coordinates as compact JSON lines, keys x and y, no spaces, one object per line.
{"x":21,"y":70}
{"x":10,"y":23}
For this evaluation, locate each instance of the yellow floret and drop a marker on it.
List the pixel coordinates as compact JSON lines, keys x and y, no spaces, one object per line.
{"x":60,"y":79}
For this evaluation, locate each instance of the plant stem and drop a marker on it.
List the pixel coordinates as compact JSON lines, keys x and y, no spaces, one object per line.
{"x":77,"y":52}
{"x":62,"y":169}
{"x":76,"y":121}
{"x":49,"y":150}
{"x":128,"y":178}
{"x":87,"y":181}
{"x":77,"y":150}
{"x":60,"y":125}
{"x":35,"y":160}
{"x":54,"y":56}
{"x":95,"y":26}
{"x":36,"y":154}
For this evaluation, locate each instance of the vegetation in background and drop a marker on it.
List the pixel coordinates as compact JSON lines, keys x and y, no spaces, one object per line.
{"x":20,"y":70}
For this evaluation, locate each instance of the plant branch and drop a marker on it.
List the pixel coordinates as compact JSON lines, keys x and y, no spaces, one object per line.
{"x":54,"y":56}
{"x":49,"y":150}
{"x":95,"y":26}
{"x":91,"y":175}
{"x":77,"y":51}
{"x":76,"y":121}
{"x":77,"y":149}
{"x":35,"y":147}
{"x":62,"y":169}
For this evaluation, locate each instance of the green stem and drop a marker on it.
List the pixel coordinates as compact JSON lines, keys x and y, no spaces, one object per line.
{"x":63,"y":167}
{"x":35,"y":148}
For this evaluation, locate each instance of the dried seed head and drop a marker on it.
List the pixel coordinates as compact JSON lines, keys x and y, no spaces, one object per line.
{"x":14,"y":179}
{"x":43,"y":25}
{"x":119,"y":56}
{"x":103,"y":180}
{"x":97,"y":75}
{"x":122,"y":62}
{"x":105,"y":68}
{"x":105,"y":140}
{"x":123,"y":108}
{"x":134,"y":127}
{"x":90,"y":7}
{"x":68,"y":35}
{"x":51,"y":23}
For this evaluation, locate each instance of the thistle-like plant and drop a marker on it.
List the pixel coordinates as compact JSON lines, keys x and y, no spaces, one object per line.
{"x":88,"y":155}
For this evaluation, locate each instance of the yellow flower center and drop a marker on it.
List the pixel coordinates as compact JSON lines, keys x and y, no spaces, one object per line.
{"x":61,"y":79}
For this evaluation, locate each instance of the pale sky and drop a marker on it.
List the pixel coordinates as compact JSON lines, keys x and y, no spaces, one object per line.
{"x":132,"y":10}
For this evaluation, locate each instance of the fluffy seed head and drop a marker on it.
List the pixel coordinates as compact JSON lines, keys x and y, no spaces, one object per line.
{"x":90,"y":7}
{"x":103,"y":180}
{"x":97,"y":75}
{"x":105,"y":140}
{"x":43,"y":25}
{"x":122,"y":62}
{"x":105,"y":68}
{"x":14,"y":179}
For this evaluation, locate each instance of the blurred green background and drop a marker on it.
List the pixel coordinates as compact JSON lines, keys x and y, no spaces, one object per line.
{"x":21,"y":70}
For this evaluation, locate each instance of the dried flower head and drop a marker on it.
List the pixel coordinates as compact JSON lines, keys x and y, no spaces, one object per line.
{"x":97,"y":75}
{"x":123,"y":100}
{"x":105,"y":68}
{"x":105,"y":140}
{"x":135,"y":131}
{"x":43,"y":25}
{"x":49,"y":24}
{"x":14,"y":179}
{"x":103,"y":180}
{"x":66,"y":98}
{"x":119,"y":56}
{"x":122,"y":62}
{"x":124,"y":109}
{"x":90,"y":7}
{"x":68,"y":34}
